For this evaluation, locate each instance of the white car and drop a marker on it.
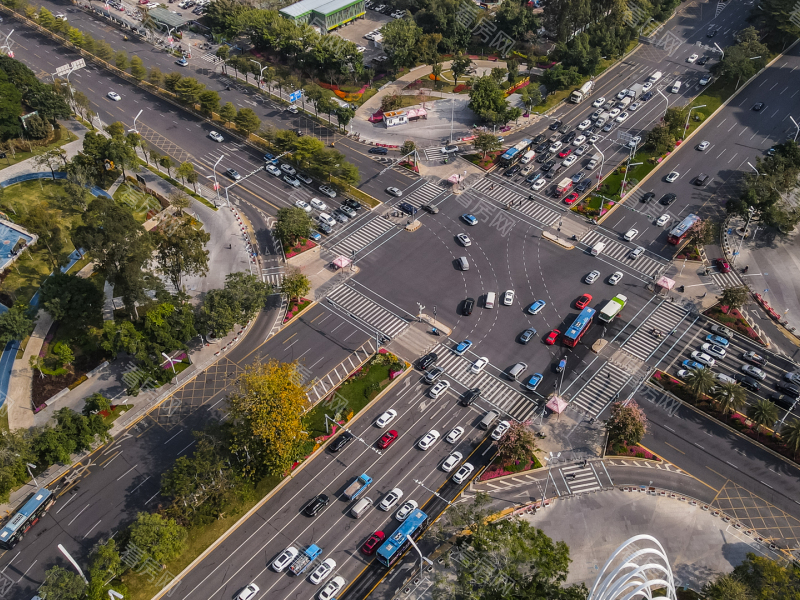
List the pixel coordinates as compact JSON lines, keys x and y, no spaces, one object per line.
{"x":285,"y":559}
{"x":273,"y":170}
{"x":451,"y":461}
{"x":613,"y":113}
{"x":634,"y":141}
{"x":634,"y":107}
{"x":662,"y":220}
{"x":405,"y":510}
{"x":579,"y":140}
{"x":622,"y":94}
{"x":555,"y":147}
{"x":599,"y":102}
{"x":692,"y":58}
{"x":288,"y":169}
{"x":585,"y":125}
{"x":615,"y":278}
{"x":683,"y":373}
{"x":622,"y":117}
{"x":508,"y":298}
{"x":703,"y":358}
{"x":462,"y":474}
{"x":703,"y":145}
{"x":248,"y":593}
{"x":396,"y":192}
{"x":328,"y":191}
{"x":291,"y":181}
{"x":592,"y":277}
{"x":754,"y":372}
{"x":581,"y":150}
{"x":292,"y":108}
{"x":646,"y":86}
{"x":539,"y":184}
{"x":386,"y":418}
{"x":464,"y":239}
{"x":322,"y":572}
{"x":500,"y":430}
{"x":319,"y":204}
{"x":440,"y":388}
{"x":390,"y":499}
{"x":428,"y":440}
{"x":114,"y":96}
{"x":454,"y":435}
{"x":672,"y":176}
{"x":334,"y":586}
{"x":478,"y":365}
{"x":216,"y":136}
{"x":630,"y":234}
{"x":713,"y":350}
{"x":303,"y":204}
{"x":570,"y":160}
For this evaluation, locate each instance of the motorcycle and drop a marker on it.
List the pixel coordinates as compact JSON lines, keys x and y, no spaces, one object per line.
{"x":435,"y":331}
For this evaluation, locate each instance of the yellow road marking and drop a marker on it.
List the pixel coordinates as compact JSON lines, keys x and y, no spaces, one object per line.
{"x":674,"y":448}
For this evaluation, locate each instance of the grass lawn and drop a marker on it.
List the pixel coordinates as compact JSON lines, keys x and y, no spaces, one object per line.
{"x":480,"y":161}
{"x":141,"y":214}
{"x":64,"y":137}
{"x":612,"y":185}
{"x":713,"y":96}
{"x":116,"y":412}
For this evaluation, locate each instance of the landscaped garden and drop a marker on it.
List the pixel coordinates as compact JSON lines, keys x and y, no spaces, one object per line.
{"x":593,"y":207}
{"x":732,"y":318}
{"x":515,"y":452}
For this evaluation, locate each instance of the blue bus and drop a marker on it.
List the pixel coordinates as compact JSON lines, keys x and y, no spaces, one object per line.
{"x":398,"y":543}
{"x":514,"y":153}
{"x":25,"y":518}
{"x":579,"y":327}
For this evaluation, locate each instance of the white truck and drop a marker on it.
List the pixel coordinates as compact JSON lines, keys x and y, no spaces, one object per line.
{"x":623,"y":104}
{"x":581,"y":94}
{"x":635,"y":91}
{"x":654,"y":77}
{"x":593,"y":162}
{"x":601,"y":120}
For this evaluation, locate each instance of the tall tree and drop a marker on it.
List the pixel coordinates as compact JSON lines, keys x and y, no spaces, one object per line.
{"x":730,"y":397}
{"x":71,"y":298}
{"x":763,"y":413}
{"x":161,"y":538}
{"x":518,"y":444}
{"x":295,"y":284}
{"x":138,"y":69}
{"x":486,"y":142}
{"x":627,"y":423}
{"x":791,"y":436}
{"x":227,"y":113}
{"x":62,"y":584}
{"x":700,"y":381}
{"x":247,"y":121}
{"x":734,"y":297}
{"x":15,"y":324}
{"x":292,"y":225}
{"x":181,"y":251}
{"x":459,"y":66}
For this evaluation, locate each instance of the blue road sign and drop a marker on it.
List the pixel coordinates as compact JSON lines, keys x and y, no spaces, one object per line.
{"x":295,"y":96}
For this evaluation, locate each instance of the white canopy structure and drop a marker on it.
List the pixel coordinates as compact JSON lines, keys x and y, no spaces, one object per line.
{"x":635,"y":575}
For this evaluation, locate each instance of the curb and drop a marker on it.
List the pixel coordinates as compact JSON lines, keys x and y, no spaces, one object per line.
{"x":557,"y":240}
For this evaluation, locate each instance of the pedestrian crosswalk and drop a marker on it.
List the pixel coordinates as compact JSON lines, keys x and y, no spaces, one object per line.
{"x":435,"y":153}
{"x":423,"y":194}
{"x":360,"y":238}
{"x":519,"y":203}
{"x":665,"y":318}
{"x":212,"y":58}
{"x":579,"y":479}
{"x":494,"y":391}
{"x":618,"y":251}
{"x":605,"y":386}
{"x":726,"y":280}
{"x":366,"y":310}
{"x":273,"y":276}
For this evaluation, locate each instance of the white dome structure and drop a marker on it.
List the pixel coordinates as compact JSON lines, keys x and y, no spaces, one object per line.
{"x":633,"y":571}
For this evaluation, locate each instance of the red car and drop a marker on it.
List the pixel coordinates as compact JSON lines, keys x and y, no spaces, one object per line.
{"x":571,"y":198}
{"x":565,"y":152}
{"x":552,"y":337}
{"x":723,"y":266}
{"x":583,"y":301}
{"x":387,"y":439}
{"x":373,"y":542}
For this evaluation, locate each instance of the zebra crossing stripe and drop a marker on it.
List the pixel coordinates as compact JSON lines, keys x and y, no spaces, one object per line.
{"x":423,"y":194}
{"x":367,"y":310}
{"x":726,"y":280}
{"x":595,"y":395}
{"x":521,"y":203}
{"x":619,"y":252}
{"x":666,"y":318}
{"x":362,"y":237}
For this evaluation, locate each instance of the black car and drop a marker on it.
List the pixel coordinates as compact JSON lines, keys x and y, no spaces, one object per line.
{"x":533,"y":177}
{"x":527,"y":335}
{"x":789,"y":389}
{"x":469,"y":305}
{"x":427,"y":360}
{"x":543,"y":158}
{"x":341,"y":441}
{"x":548,"y":165}
{"x":542,"y":147}
{"x":354,"y":204}
{"x":407,"y":208}
{"x":430,"y":208}
{"x":783,"y":401}
{"x":583,"y":186}
{"x":668,"y":199}
{"x":379,"y":150}
{"x":554,"y":125}
{"x":646,"y":96}
{"x":539,"y":138}
{"x":712,"y":33}
{"x":470,"y":396}
{"x":511,"y":171}
{"x":567,"y":139}
{"x":747,"y":382}
{"x":702,"y":60}
{"x":554,"y":171}
{"x":758,"y":106}
{"x":298,"y":132}
{"x":315,"y":505}
{"x":647,"y":197}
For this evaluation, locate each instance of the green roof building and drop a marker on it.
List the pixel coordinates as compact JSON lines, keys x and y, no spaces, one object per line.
{"x":325,"y":14}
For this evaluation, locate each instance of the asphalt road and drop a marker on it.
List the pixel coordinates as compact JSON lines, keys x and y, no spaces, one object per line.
{"x":246,"y":555}
{"x":104,"y":491}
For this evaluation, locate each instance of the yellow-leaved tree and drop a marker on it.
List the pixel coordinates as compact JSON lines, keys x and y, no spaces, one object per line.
{"x":266,"y":418}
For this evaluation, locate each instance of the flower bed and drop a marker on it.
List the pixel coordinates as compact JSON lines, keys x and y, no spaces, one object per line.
{"x":733,"y":318}
{"x":295,"y":306}
{"x":634,"y":450}
{"x":495,"y":470}
{"x":689,"y":252}
{"x":300,"y":248}
{"x":410,"y":166}
{"x":461,"y":87}
{"x":479,"y":161}
{"x":593,"y":207}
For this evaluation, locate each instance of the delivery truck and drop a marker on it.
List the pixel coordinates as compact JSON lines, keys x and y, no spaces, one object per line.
{"x":359,"y":484}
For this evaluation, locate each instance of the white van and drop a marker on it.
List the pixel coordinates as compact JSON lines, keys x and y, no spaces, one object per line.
{"x":489,"y":418}
{"x":529,"y":156}
{"x":654,"y":77}
{"x":360,"y":507}
{"x":597,"y":248}
{"x":675,"y":87}
{"x":327,"y":219}
{"x":491,"y":297}
{"x":463,"y":263}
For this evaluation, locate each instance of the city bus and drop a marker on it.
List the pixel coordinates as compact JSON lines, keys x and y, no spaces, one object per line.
{"x":579,"y":327}
{"x":612,"y":308}
{"x":513,"y":154}
{"x":25,"y":518}
{"x":398,"y":543}
{"x":681,"y":230}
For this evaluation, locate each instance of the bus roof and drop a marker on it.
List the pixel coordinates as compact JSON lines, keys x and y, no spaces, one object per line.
{"x":409,"y":526}
{"x":580,"y":323}
{"x":684,"y":225}
{"x":40,"y":497}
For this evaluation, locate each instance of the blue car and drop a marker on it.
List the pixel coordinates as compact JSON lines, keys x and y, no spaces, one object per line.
{"x":535,"y":177}
{"x":718,"y":340}
{"x":270,"y":158}
{"x":533,"y":381}
{"x":537,"y":307}
{"x":470,"y":219}
{"x":527,"y":335}
{"x":182,"y":62}
{"x":314,"y":236}
{"x":463,"y":347}
{"x":691,"y":364}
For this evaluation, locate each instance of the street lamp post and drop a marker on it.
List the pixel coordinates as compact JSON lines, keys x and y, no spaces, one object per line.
{"x":625,"y":177}
{"x":602,"y":162}
{"x":689,"y":115}
{"x":721,"y":50}
{"x":134,"y":130}
{"x":754,"y":169}
{"x":30,"y":466}
{"x":214,"y":177}
{"x":797,"y":126}
{"x":550,"y":460}
{"x":750,"y":212}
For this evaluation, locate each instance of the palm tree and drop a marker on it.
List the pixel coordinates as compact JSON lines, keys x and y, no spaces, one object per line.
{"x":731,"y":397}
{"x":699,"y":381}
{"x":791,"y":436}
{"x":762,"y":413}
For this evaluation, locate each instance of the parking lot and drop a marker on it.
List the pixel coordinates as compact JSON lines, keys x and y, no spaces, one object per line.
{"x":355,"y":31}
